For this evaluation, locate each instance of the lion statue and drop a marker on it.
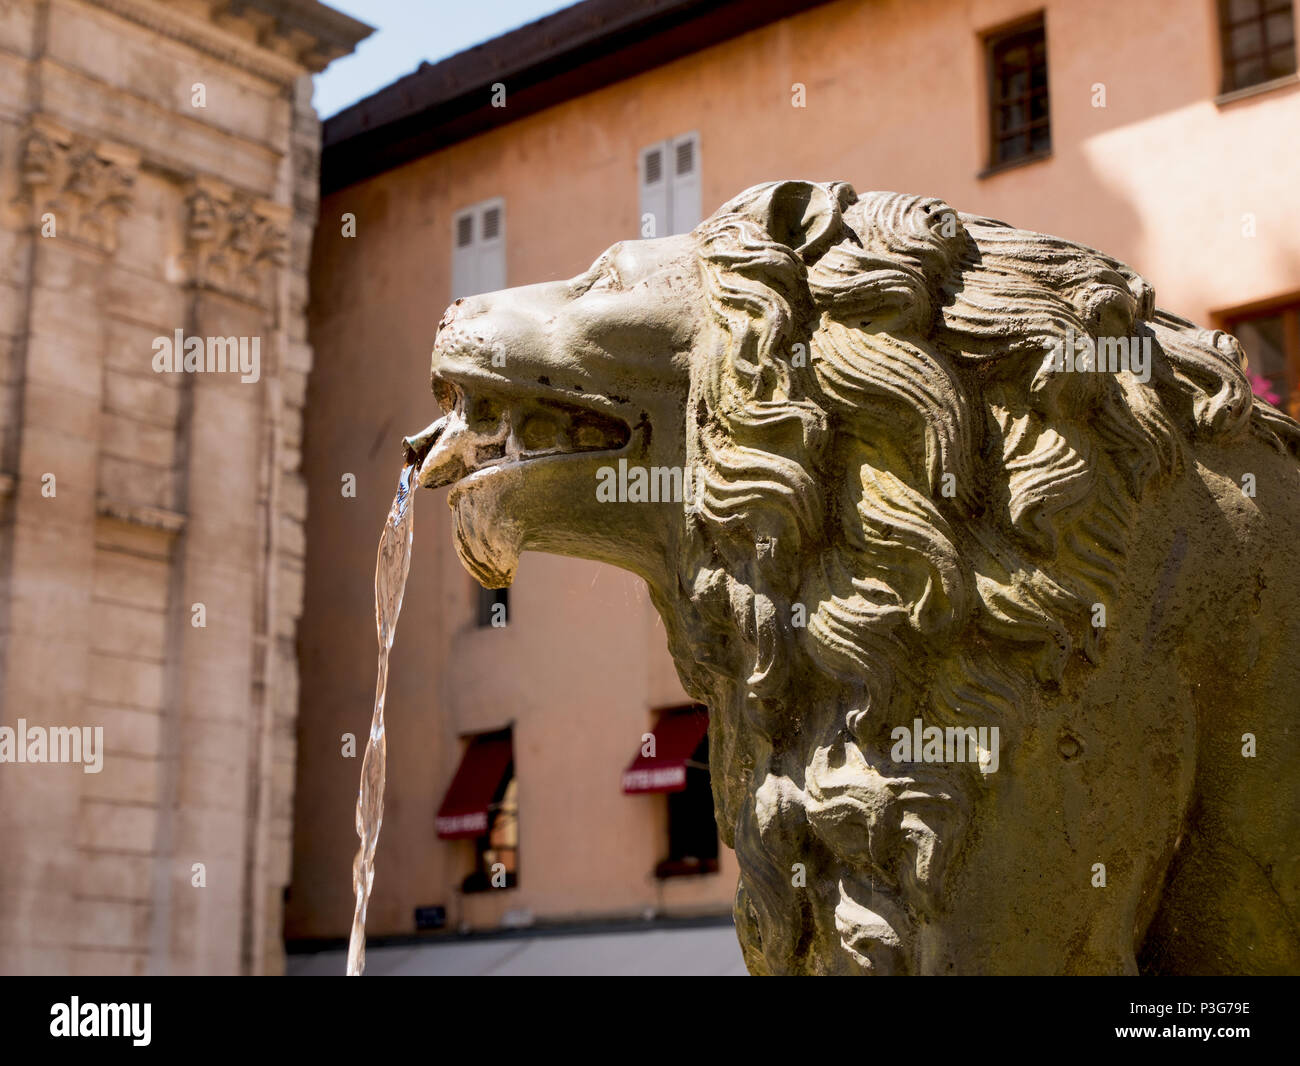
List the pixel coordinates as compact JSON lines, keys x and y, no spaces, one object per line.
{"x":983,"y":564}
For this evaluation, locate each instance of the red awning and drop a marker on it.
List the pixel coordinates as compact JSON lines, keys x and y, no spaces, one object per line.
{"x":464,"y":811}
{"x":677,"y":734}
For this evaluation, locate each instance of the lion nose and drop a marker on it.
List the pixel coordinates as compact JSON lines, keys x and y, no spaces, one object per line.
{"x":449,"y":315}
{"x":457,"y":322}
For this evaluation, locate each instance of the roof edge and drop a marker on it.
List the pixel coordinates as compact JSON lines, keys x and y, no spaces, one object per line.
{"x":568,"y":54}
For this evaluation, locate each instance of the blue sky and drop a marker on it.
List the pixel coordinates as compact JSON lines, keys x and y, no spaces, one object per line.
{"x":410,"y":31}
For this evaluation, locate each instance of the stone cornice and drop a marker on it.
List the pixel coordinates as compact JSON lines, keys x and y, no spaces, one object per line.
{"x":332,"y":33}
{"x":203,"y":36}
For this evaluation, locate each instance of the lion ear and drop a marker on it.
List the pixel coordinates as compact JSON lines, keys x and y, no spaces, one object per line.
{"x":805,"y":216}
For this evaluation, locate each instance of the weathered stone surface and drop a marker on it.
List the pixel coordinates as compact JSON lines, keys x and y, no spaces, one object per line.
{"x":152,"y":157}
{"x":906,"y":510}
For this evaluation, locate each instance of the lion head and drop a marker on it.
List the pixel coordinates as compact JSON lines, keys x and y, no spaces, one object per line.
{"x":896,"y":503}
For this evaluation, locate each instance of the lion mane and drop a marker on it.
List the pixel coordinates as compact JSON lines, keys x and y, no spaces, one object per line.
{"x":891,"y":478}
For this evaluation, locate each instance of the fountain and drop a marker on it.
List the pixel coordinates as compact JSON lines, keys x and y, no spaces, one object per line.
{"x":917,"y":531}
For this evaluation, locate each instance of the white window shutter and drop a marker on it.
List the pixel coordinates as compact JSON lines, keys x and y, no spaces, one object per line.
{"x":685,"y":198}
{"x":655,"y":176}
{"x":478,"y":249}
{"x":492,"y":246}
{"x":464,"y":254}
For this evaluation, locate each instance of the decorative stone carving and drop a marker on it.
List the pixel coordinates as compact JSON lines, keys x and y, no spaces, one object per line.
{"x":1000,"y":643}
{"x":157,"y":518}
{"x":79,"y":188}
{"x":235,"y":241}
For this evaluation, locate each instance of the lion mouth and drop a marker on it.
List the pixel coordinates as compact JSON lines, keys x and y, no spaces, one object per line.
{"x":485,"y":432}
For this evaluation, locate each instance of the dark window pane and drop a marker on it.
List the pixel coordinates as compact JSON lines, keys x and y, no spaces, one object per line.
{"x":1014,"y":147}
{"x":1250,"y":72}
{"x":1257,"y":41}
{"x":1264,"y":343}
{"x":1246,"y":38}
{"x":1018,"y":100}
{"x":1280,"y":29}
{"x":1281,"y":62}
{"x":692,"y":831}
{"x":493,"y":607}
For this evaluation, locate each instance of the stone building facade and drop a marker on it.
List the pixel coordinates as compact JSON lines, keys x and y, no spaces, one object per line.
{"x":158,"y":185}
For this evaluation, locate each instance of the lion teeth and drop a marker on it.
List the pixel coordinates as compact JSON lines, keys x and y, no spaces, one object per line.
{"x":447,"y":460}
{"x":482,"y":431}
{"x":489,"y":453}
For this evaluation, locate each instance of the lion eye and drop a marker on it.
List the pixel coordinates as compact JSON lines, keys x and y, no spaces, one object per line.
{"x":601,"y":277}
{"x":609,"y":280}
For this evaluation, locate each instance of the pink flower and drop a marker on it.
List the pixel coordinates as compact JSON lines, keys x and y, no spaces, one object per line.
{"x":1263,"y":388}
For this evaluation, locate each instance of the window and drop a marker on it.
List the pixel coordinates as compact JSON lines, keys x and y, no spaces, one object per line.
{"x":674,"y":758}
{"x":1019,"y":121}
{"x":482,"y":805}
{"x":1257,"y":38}
{"x":496,"y":853}
{"x":670,"y":186}
{"x":1270,"y":338}
{"x":493,"y":607}
{"x":692,"y":829}
{"x":478,"y":249}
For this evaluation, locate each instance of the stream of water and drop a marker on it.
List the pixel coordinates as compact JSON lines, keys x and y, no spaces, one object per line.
{"x":390,"y":583}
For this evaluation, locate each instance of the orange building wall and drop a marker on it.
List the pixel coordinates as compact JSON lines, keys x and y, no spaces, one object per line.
{"x":1160,"y":177}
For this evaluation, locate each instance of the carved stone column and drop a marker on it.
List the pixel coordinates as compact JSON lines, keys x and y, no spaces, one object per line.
{"x":76,"y":191}
{"x":217,"y":728}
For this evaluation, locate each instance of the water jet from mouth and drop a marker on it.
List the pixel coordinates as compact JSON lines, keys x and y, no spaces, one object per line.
{"x":391,"y":567}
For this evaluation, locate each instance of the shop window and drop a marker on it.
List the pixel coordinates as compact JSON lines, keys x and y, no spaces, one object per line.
{"x":482,"y":805}
{"x":692,"y":828}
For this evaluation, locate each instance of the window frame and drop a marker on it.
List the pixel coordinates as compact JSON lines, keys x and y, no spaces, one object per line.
{"x":1286,"y":306}
{"x":1228,"y":87}
{"x":989,"y":41}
